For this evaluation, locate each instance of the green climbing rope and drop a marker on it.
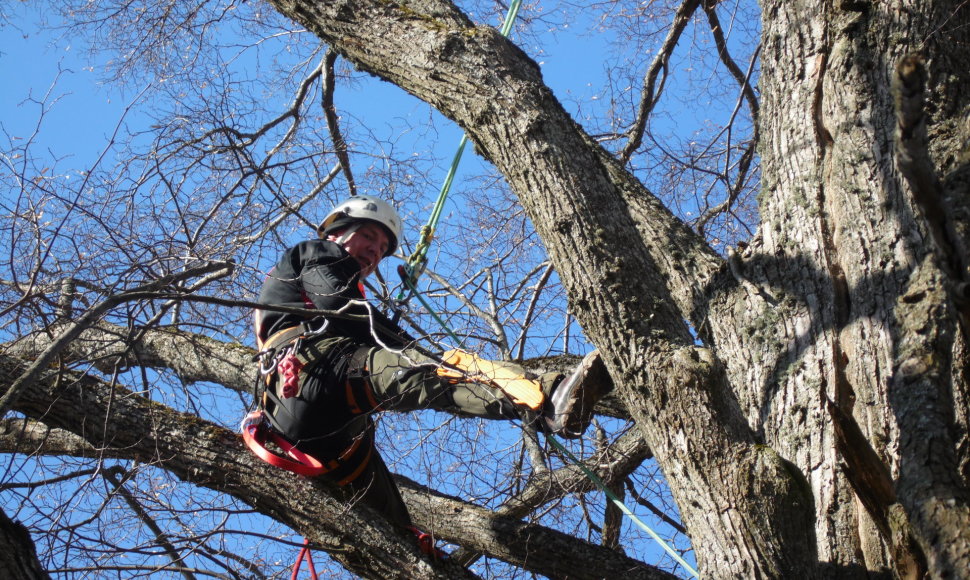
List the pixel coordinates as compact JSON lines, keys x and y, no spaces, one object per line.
{"x":418,"y":260}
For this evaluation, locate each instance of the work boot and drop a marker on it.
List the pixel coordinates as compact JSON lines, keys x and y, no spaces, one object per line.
{"x":569,"y":410}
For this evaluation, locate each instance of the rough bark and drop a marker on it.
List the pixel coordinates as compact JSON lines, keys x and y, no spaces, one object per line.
{"x":929,"y":484}
{"x":840,"y":240}
{"x":109,"y":348}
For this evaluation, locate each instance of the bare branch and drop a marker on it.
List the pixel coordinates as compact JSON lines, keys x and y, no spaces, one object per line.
{"x":330,"y":112}
{"x":658,"y":68}
{"x":87,"y":320}
{"x":116,"y":476}
{"x":530,"y":311}
{"x":747,"y":95}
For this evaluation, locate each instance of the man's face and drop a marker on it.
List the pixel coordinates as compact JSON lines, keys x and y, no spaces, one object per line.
{"x":367,"y":245}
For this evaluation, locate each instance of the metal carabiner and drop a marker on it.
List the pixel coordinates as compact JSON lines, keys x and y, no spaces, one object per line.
{"x":267,"y":364}
{"x":310,"y":333}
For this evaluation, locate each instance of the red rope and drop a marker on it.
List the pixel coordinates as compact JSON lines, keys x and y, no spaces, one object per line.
{"x":304,"y":552}
{"x":255,"y":434}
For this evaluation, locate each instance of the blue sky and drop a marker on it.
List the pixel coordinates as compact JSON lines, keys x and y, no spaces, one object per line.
{"x":37,"y":64}
{"x":40,"y":65}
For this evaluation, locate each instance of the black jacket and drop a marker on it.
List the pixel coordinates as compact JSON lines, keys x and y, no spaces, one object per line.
{"x":319,"y":274}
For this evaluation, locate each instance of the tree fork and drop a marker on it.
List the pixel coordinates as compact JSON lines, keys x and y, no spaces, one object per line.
{"x":609,"y":238}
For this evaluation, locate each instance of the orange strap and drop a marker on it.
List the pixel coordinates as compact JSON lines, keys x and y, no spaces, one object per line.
{"x":255,"y":433}
{"x":522,"y":391}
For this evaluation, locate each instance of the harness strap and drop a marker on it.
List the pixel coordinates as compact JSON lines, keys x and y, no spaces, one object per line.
{"x":281,"y":356}
{"x":344,"y":468}
{"x":360,"y":395}
{"x":281,"y":337}
{"x":255,"y":434}
{"x":304,"y":554}
{"x":350,"y":464}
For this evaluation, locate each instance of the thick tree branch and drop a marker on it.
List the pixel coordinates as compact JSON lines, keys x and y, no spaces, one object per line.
{"x":434,"y":511}
{"x":938,"y":212}
{"x":558,"y":555}
{"x":31,"y":437}
{"x":215,"y":458}
{"x":333,"y":123}
{"x":73,"y":330}
{"x":195,"y":357}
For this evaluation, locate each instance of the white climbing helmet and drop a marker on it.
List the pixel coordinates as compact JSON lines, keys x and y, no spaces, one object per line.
{"x":353,"y":210}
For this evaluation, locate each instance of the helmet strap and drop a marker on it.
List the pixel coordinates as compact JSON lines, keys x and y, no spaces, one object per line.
{"x":342,"y":239}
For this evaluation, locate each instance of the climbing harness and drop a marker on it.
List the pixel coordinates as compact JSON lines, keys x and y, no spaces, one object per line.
{"x":281,"y":358}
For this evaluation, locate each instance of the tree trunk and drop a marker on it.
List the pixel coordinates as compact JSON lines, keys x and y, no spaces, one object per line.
{"x":841,"y":239}
{"x":18,"y":555}
{"x":804,"y":324}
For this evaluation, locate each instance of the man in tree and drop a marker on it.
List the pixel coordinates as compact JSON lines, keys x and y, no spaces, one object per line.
{"x":327,"y":374}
